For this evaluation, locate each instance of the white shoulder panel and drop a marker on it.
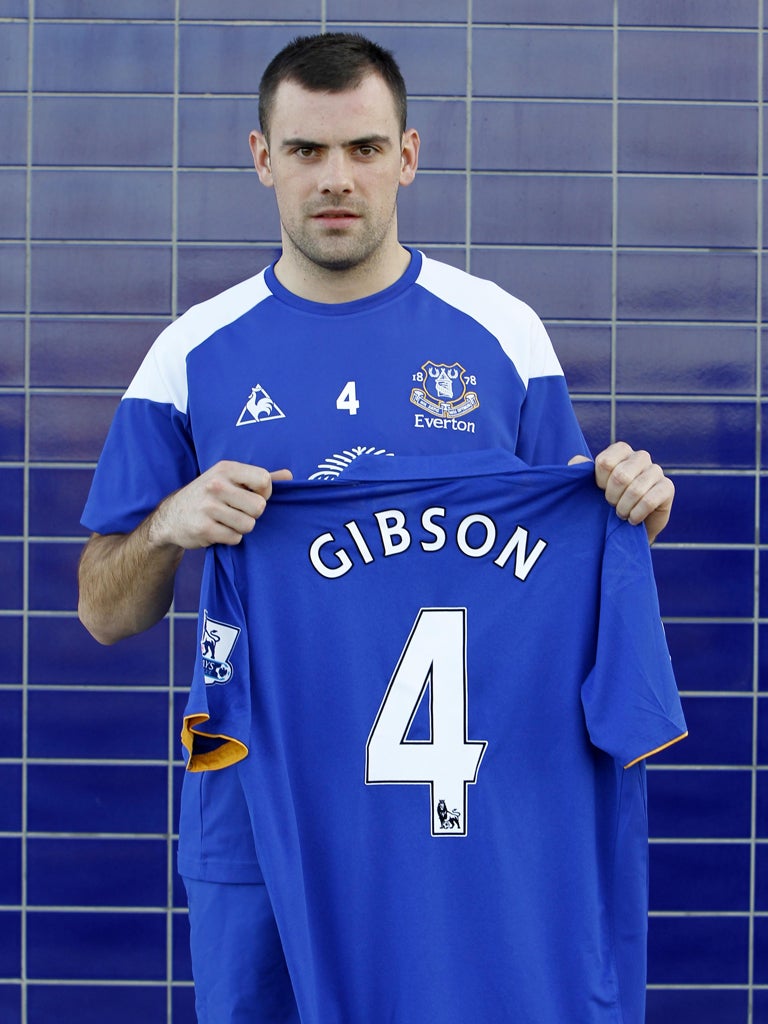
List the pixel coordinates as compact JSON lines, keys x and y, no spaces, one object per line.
{"x":514,"y":324}
{"x":162,"y":377}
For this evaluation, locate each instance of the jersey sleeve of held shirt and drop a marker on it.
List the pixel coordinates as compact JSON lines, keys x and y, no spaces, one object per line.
{"x":217,"y":717}
{"x":630,"y":697}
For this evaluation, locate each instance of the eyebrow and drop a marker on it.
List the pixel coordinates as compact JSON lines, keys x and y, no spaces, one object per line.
{"x":366,"y":140}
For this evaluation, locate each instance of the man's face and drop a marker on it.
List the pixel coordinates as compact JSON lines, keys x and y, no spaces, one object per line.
{"x":335,"y":161}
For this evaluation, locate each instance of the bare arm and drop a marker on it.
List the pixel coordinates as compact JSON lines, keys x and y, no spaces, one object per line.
{"x":126,"y":579}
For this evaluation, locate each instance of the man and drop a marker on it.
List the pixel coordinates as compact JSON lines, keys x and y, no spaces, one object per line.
{"x":349,"y":344}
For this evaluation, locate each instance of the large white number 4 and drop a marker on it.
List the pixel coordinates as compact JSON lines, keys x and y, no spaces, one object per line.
{"x":347,"y":400}
{"x":434,"y":659}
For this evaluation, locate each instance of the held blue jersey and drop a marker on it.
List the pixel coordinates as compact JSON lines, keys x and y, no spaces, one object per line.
{"x":437,"y":679}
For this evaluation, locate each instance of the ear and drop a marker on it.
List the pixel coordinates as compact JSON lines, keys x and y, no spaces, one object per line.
{"x":409,"y":157}
{"x":261,"y":161}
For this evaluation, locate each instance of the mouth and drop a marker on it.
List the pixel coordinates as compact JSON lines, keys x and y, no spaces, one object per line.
{"x":336,"y":218}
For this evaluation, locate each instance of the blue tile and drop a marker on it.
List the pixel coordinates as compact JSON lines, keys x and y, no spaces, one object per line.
{"x":11,"y":644}
{"x":764,"y":347}
{"x":433,"y":60}
{"x":762,"y":805}
{"x":98,"y":724}
{"x":14,"y":8}
{"x":101,"y":279}
{"x":12,"y":353}
{"x":595,"y":422}
{"x":720,"y":733}
{"x":705,"y":359}
{"x":13,"y":57}
{"x":704,"y":1006}
{"x":702,"y":878}
{"x":182,"y":962}
{"x":117,"y":205}
{"x":61,"y":652}
{"x":697,"y":950}
{"x":10,"y":805}
{"x":711,"y":656}
{"x":718,"y":435}
{"x":183,"y":1004}
{"x":203,"y":272}
{"x":762,"y":669}
{"x":80,"y":130}
{"x":11,"y":502}
{"x":10,"y":877}
{"x":676,"y":65}
{"x":584,"y":351}
{"x":11,"y":716}
{"x":185,"y":651}
{"x":12,"y":278}
{"x":712,"y":510}
{"x":706,"y":583}
{"x":559,"y":285}
{"x":89,"y":353}
{"x":761,"y":951}
{"x":541,"y":210}
{"x":11,"y":427}
{"x":95,"y":9}
{"x":213,"y":131}
{"x":90,"y":946}
{"x":686,"y":286}
{"x":53,"y":576}
{"x":706,"y":213}
{"x":11,"y":572}
{"x":13,"y":117}
{"x":547,"y":136}
{"x":703,"y":13}
{"x":94,"y":1004}
{"x":10,"y":947}
{"x":56,"y":499}
{"x":432,"y":210}
{"x":226,"y":206}
{"x":13,"y":185}
{"x":763,"y":570}
{"x":442,"y":126}
{"x":509,"y":62}
{"x":67,"y":428}
{"x":687,"y":139}
{"x":395,"y":10}
{"x":74,"y":798}
{"x":97,"y":872}
{"x":92,"y":57}
{"x":247,"y":10}
{"x":188,"y":577}
{"x":699,"y":804}
{"x":227,"y":58}
{"x":762,"y":731}
{"x":761,"y":878}
{"x":10,"y":1002}
{"x":535,"y":12}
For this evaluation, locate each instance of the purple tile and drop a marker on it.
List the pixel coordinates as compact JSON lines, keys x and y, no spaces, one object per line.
{"x":432,"y":210}
{"x":704,"y":1006}
{"x":509,"y":62}
{"x":12,"y":278}
{"x":712,"y":510}
{"x":182,"y":1001}
{"x":12,"y":353}
{"x":396,"y":10}
{"x":11,"y":716}
{"x":705,"y":359}
{"x":10,"y":879}
{"x":80,"y":130}
{"x":762,"y":731}
{"x":101,"y":204}
{"x":92,"y":946}
{"x":95,"y":9}
{"x":764,"y":347}
{"x":698,"y":950}
{"x":704,"y":583}
{"x":764,"y":435}
{"x":584,"y":351}
{"x":10,"y":948}
{"x":11,"y":644}
{"x":14,"y":8}
{"x":101,"y":279}
{"x":11,"y":502}
{"x":229,"y":206}
{"x":559,"y":285}
{"x":73,"y":56}
{"x":62,"y":653}
{"x":546,"y":136}
{"x":762,"y":667}
{"x":541,"y":210}
{"x":53,"y":576}
{"x":13,"y":57}
{"x":120,"y":799}
{"x":687,"y":139}
{"x":203,"y":272}
{"x":698,"y":435}
{"x":686,"y":286}
{"x":542,"y":12}
{"x":69,"y":428}
{"x":720,"y":733}
{"x":11,"y":427}
{"x":188,"y":577}
{"x":185,"y":648}
{"x":442,"y":125}
{"x":227,"y":58}
{"x":213,"y":131}
{"x":56,"y":500}
{"x":94,"y":1004}
{"x":705,"y":877}
{"x":595,"y":421}
{"x":762,"y":805}
{"x":13,"y":188}
{"x":182,"y":965}
{"x":251,"y":10}
{"x":706,"y":213}
{"x":13,"y":117}
{"x":10,"y":805}
{"x":699,"y":804}
{"x":712,"y":656}
{"x":11,"y":573}
{"x":675,"y":65}
{"x":763,"y":570}
{"x":96,"y":872}
{"x":703,"y":13}
{"x":89,"y":353}
{"x":761,"y":951}
{"x":761,"y":878}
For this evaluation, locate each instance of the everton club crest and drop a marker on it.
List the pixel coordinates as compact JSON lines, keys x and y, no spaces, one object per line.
{"x":443,"y":390}
{"x":216,"y":645}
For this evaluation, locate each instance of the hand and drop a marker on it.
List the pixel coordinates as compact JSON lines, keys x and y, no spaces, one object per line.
{"x":219,"y":507}
{"x":635,"y":486}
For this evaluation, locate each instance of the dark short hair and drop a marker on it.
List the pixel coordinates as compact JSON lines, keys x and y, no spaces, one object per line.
{"x":332,"y":62}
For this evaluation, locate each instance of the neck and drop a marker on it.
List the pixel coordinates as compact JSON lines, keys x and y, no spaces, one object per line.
{"x":321,"y":284}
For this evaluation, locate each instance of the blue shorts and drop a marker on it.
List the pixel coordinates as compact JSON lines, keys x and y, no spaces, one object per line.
{"x":238,"y":963}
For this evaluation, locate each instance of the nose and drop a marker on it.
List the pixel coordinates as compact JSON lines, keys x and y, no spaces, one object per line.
{"x":336,"y":177}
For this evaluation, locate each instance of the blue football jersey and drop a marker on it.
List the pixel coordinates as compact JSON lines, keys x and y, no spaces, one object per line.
{"x":437,"y":679}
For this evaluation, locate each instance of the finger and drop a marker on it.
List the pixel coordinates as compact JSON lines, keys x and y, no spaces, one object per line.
{"x":608,"y":460}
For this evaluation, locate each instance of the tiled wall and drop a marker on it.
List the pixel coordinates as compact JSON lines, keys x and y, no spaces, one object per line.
{"x":602,"y":160}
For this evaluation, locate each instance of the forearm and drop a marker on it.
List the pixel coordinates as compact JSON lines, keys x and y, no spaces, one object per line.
{"x":126,"y":582}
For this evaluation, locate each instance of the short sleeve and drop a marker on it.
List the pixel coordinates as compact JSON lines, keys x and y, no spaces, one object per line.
{"x":630,"y":697}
